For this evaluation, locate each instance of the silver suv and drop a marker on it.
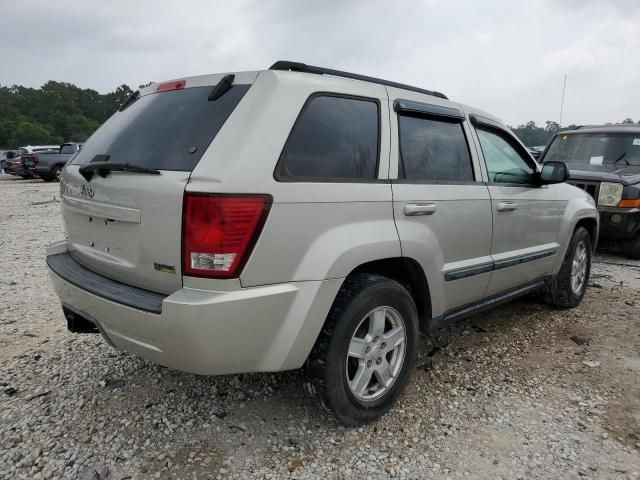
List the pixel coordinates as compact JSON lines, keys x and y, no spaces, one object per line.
{"x":302,"y":217}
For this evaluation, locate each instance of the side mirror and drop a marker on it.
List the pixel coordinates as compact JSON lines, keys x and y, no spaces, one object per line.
{"x":554,"y":172}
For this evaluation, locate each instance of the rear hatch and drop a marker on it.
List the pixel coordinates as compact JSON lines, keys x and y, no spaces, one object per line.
{"x":126,"y":225}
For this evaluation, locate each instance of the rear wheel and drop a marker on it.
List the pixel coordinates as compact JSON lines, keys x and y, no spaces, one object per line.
{"x":365,"y":354}
{"x":56,"y":172}
{"x":567,"y":288}
{"x":631,"y":248}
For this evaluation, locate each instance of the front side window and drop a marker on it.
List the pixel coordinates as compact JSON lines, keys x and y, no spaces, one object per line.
{"x":504,"y":162}
{"x":433,"y":150}
{"x":334,"y":138}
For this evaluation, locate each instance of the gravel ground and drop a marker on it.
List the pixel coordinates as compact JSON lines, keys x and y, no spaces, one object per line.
{"x":508,"y":394}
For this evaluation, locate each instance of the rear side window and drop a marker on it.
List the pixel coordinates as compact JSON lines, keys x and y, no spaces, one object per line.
{"x":165,"y":131}
{"x":334,"y":138}
{"x":433,"y":150}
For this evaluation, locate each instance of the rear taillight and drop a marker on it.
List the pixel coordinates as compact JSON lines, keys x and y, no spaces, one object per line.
{"x":219,"y":232}
{"x":165,"y":87}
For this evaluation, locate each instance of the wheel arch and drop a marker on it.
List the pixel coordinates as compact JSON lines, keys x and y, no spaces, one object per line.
{"x":410,"y":275}
{"x":591,"y":225}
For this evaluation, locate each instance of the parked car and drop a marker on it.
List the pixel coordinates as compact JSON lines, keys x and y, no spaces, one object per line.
{"x":48,"y":165}
{"x":35,"y":149}
{"x":6,"y":155}
{"x":536,"y":151}
{"x":17,"y":166}
{"x":301,"y":217}
{"x":605,"y":162}
{"x":12,"y":166}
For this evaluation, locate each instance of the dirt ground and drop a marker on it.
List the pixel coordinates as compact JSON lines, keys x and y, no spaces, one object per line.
{"x":521,"y":392}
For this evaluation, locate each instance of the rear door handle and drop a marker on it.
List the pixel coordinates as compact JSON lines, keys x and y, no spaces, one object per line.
{"x":414,"y":209}
{"x":507,"y":206}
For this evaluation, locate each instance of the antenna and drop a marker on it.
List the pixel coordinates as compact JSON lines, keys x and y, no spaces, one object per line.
{"x":564,"y":86}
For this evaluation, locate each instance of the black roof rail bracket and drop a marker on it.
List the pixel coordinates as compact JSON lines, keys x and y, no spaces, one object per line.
{"x":303,"y":67}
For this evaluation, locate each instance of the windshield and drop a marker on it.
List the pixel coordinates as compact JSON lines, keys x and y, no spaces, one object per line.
{"x":596,"y":148}
{"x":163,"y":131}
{"x":22,"y":151}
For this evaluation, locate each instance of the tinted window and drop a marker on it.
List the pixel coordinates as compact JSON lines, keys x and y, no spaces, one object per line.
{"x":504,"y":163}
{"x":333,"y":138}
{"x":433,"y":150}
{"x":68,"y":149}
{"x":166,"y":131}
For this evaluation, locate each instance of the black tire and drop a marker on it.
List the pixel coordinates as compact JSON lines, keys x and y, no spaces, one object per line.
{"x":48,"y":178}
{"x":631,"y":248}
{"x":55,"y":173}
{"x":558,"y":292}
{"x":325,"y":372}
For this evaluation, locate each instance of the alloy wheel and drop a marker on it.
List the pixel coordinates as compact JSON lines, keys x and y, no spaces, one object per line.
{"x":376,"y":353}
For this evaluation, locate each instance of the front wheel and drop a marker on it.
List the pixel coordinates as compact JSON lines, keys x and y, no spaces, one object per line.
{"x":566,"y":289}
{"x":366,"y":351}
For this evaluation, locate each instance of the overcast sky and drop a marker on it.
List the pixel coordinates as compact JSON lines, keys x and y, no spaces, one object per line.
{"x":507,"y":57}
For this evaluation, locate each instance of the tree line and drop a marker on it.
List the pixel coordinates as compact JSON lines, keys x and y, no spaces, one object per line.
{"x":53,"y":114}
{"x":60,"y":112}
{"x":532,"y":135}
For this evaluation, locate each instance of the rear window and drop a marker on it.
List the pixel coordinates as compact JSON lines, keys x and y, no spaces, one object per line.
{"x":165,"y":131}
{"x":334,"y":138}
{"x":67,"y":149}
{"x":433,"y":150}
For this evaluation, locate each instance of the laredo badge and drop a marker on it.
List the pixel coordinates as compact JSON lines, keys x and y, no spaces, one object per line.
{"x":161,"y":267}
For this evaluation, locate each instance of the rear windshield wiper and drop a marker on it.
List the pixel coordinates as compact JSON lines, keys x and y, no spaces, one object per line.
{"x":103,"y":168}
{"x":222,"y":87}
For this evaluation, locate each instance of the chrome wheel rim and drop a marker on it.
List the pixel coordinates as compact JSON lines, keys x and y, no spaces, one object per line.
{"x":579,"y":268}
{"x":376,"y":353}
{"x":58,"y":173}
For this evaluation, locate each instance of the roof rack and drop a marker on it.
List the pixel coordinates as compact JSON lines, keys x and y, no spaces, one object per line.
{"x":303,"y":67}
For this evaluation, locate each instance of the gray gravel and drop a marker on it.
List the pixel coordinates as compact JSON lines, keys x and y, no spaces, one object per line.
{"x":504,"y":395}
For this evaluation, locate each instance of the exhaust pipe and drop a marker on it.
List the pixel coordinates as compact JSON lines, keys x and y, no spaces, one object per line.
{"x":77,"y":323}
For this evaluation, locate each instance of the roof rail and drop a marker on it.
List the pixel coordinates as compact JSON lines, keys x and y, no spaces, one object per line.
{"x":606,"y":125}
{"x":303,"y":67}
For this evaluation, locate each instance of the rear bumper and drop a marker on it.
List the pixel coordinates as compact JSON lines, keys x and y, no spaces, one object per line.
{"x":619,"y":223}
{"x":269,"y":328}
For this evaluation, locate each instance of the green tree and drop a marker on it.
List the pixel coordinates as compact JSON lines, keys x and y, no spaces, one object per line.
{"x":54,"y":113}
{"x":552,"y":127}
{"x":532,"y":135}
{"x":28,"y":132}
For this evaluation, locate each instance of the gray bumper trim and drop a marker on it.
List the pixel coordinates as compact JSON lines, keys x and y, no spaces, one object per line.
{"x":68,"y":269}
